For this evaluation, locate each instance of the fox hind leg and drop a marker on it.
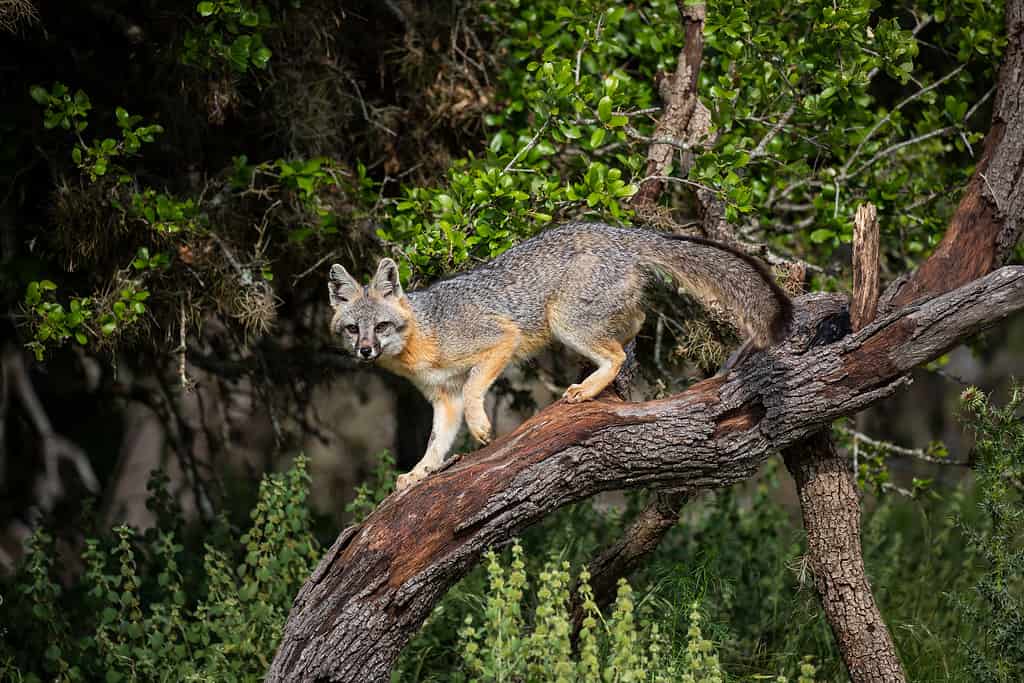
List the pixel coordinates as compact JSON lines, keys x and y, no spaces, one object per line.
{"x":609,"y":357}
{"x":601,"y":345}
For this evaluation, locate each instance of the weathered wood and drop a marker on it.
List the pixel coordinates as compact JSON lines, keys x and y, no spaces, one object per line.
{"x":865,"y":266}
{"x":377,"y":584}
{"x":679,"y":93}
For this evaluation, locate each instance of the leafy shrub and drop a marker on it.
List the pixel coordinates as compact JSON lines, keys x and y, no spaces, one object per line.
{"x":506,"y":644}
{"x":996,"y":602}
{"x":142,"y":612}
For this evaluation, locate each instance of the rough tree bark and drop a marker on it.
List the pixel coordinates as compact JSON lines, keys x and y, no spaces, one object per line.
{"x":830,"y":505}
{"x":980,"y":237}
{"x":380,"y":580}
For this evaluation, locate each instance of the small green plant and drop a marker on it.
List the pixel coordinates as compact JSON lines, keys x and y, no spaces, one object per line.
{"x":55,"y":324}
{"x":502,"y":642}
{"x":145,"y":612}
{"x":996,"y":603}
{"x":376,"y":488}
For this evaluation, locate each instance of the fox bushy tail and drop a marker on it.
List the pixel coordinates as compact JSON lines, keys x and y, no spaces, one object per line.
{"x":738,"y":281}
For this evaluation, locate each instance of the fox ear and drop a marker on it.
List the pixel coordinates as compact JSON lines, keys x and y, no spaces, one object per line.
{"x":386,"y":282}
{"x":342,"y":287}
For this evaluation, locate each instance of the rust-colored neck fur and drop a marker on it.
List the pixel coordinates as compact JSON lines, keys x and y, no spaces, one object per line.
{"x":420,"y":350}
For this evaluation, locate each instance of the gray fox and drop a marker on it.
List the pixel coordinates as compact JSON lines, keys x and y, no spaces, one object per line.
{"x":581,"y":284}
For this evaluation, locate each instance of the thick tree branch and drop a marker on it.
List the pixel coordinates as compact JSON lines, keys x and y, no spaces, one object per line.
{"x":379,"y":581}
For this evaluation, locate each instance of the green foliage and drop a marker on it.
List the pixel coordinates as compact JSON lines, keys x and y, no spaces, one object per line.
{"x":229,"y":34}
{"x":376,"y":488}
{"x":71,"y":113}
{"x":144,"y":612}
{"x":550,"y":150}
{"x":503,"y":648}
{"x":996,"y":603}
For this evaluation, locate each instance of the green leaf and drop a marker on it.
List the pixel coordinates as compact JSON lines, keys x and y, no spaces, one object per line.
{"x":597,"y":138}
{"x":261,"y":57}
{"x":39,"y":94}
{"x":205,"y":9}
{"x":822,"y":234}
{"x":604,"y":109}
{"x":81,"y":338}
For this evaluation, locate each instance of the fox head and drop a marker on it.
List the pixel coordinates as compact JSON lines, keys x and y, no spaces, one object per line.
{"x":370,"y":320}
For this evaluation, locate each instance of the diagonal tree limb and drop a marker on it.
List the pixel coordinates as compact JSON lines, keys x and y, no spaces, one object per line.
{"x":376,"y":585}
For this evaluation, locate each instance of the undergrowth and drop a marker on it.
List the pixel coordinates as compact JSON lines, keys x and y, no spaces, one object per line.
{"x":726,"y":597}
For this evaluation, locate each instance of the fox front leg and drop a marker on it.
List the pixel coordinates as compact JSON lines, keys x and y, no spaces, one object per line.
{"x":447,"y":420}
{"x":481,"y":377}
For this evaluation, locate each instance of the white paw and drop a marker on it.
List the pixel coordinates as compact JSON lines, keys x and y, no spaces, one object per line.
{"x":406,"y":480}
{"x":575,"y":393}
{"x":481,"y":432}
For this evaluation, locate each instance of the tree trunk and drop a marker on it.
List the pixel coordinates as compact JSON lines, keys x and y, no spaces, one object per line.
{"x":831,"y":509}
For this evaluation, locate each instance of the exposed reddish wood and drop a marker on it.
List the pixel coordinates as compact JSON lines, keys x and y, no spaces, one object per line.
{"x":740,"y":419}
{"x":873,"y":358}
{"x":989,"y":220}
{"x":968,"y":249}
{"x":412,"y":546}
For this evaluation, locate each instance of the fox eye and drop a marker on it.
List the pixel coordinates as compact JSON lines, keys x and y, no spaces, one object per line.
{"x":353,"y":329}
{"x":381,"y":328}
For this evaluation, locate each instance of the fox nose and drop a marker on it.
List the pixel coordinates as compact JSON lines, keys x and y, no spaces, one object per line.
{"x":366,"y":351}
